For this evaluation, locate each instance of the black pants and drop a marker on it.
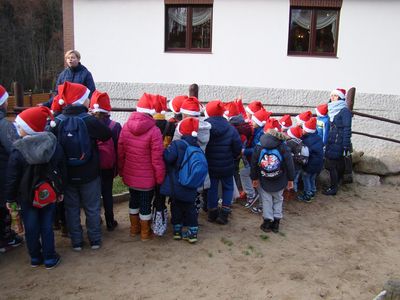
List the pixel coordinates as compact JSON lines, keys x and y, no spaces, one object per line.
{"x":336,"y":169}
{"x":141,"y":201}
{"x":6,"y":233}
{"x":183,"y":213}
{"x":107,"y":179}
{"x":59,"y":216}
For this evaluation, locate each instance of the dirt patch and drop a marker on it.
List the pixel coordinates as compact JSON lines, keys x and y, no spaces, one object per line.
{"x":342,"y":247}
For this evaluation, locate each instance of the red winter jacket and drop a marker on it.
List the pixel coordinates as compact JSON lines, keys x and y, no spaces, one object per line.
{"x":140,"y":152}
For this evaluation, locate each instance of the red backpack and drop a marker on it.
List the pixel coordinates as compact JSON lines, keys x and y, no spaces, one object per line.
{"x":108,"y":157}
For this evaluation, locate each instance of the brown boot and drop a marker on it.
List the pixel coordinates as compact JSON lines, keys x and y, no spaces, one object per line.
{"x":145,"y":232}
{"x":135,"y":224}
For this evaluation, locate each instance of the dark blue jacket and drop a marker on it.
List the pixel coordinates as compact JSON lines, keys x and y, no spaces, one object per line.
{"x":173,"y":157}
{"x":32,"y":150}
{"x":97,"y":131}
{"x":223,"y":147}
{"x":8,"y":134}
{"x":273,"y":140}
{"x":339,"y":138}
{"x":323,"y":126}
{"x":79,"y":74}
{"x":316,"y":153}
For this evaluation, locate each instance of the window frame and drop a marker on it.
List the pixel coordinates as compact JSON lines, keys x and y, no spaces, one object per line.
{"x":189,"y":26}
{"x":313,"y":33}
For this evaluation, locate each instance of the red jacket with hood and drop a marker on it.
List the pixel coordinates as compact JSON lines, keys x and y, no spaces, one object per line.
{"x":140,"y":153}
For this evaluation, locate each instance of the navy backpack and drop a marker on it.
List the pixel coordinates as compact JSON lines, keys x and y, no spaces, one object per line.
{"x":74,"y":138}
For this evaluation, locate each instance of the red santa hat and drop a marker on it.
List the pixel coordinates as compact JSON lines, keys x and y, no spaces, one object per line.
{"x":176,"y":103}
{"x":188,"y":126}
{"x":100,"y":102}
{"x":145,"y":105}
{"x":231,"y":109}
{"x":304,"y":117}
{"x":272,"y":123}
{"x":295,"y":132}
{"x":215,"y":108}
{"x":240,"y":107}
{"x":160,"y":104}
{"x":310,"y":126}
{"x":322,"y":110}
{"x":72,"y":93}
{"x":339,"y":92}
{"x":286,"y":121}
{"x":254,"y":107}
{"x":33,"y":120}
{"x":261,"y":117}
{"x":55,"y":105}
{"x":191,"y":106}
{"x":3,"y":95}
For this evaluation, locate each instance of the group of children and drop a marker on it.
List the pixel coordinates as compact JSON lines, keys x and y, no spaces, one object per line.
{"x":68,"y":157}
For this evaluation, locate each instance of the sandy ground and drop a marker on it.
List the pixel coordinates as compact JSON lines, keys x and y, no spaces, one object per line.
{"x":342,"y":247}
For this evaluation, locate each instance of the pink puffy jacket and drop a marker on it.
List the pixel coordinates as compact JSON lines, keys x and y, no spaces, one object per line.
{"x":140,"y":152}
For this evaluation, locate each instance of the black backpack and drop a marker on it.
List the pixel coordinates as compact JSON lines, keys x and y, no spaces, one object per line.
{"x":41,"y":184}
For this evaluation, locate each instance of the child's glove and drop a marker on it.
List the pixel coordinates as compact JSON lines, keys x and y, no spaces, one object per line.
{"x":256,"y":183}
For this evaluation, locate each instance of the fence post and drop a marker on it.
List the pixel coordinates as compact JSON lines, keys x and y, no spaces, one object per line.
{"x":351,"y":93}
{"x":18,"y":93}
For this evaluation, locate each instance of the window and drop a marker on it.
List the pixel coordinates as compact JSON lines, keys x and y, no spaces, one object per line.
{"x":188,"y":27}
{"x":313,"y":31}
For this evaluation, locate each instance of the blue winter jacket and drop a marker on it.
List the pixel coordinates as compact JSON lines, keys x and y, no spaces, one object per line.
{"x":79,"y":74}
{"x":323,"y":126}
{"x":173,"y":157}
{"x":223,"y":147}
{"x":316,"y":153}
{"x":339,"y":138}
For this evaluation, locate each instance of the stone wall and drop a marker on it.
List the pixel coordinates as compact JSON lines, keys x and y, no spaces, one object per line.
{"x":376,"y":104}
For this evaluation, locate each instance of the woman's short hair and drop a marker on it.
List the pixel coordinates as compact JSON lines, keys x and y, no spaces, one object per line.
{"x":69,"y":52}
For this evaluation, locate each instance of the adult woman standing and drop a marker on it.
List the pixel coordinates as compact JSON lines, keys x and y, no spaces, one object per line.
{"x":74,"y":72}
{"x":339,"y":139}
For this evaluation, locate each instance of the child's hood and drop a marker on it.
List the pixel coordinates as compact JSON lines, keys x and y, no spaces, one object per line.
{"x":219,"y":126}
{"x":272,"y":139}
{"x":37,"y":149}
{"x":203,"y":135}
{"x":140,"y":123}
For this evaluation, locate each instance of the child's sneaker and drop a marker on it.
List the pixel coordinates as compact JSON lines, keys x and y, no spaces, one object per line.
{"x":36,"y":262}
{"x":251,"y":200}
{"x":191,"y":234}
{"x":256,"y":209}
{"x":77,"y":247}
{"x":13,"y":243}
{"x":305,"y":197}
{"x":177,"y":232}
{"x":52,"y":263}
{"x":95,"y":245}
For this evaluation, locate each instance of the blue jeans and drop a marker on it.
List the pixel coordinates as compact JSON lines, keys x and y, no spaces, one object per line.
{"x":87,"y":195}
{"x":184,"y":213}
{"x":309,"y":182}
{"x":39,"y":233}
{"x":227,"y":192}
{"x":296,"y":179}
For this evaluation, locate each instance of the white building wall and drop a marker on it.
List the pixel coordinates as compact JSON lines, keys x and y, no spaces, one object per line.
{"x":123,"y":41}
{"x":122,"y":44}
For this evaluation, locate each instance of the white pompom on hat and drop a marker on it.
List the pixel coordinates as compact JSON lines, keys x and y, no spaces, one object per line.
{"x":188,"y":126}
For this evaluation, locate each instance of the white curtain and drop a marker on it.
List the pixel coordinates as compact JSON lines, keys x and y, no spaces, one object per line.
{"x":200,"y":16}
{"x":324,"y":19}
